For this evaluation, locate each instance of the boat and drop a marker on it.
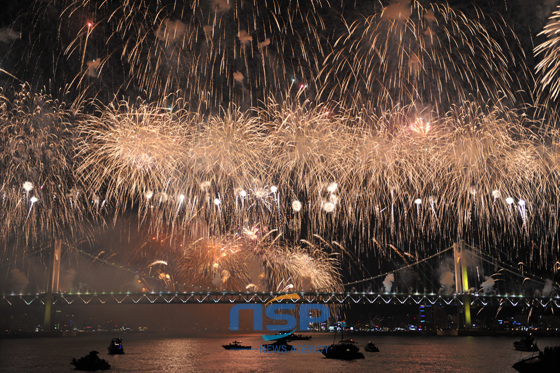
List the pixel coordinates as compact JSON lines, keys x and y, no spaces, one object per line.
{"x":526,"y":344}
{"x":370,"y":347}
{"x":547,"y":361}
{"x":236,"y":345}
{"x":299,"y":337}
{"x":343,"y":350}
{"x":91,"y":362}
{"x":448,"y":332}
{"x":115,"y":347}
{"x":289,"y":337}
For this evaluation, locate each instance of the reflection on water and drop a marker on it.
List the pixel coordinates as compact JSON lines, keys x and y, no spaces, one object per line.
{"x":160,"y":353}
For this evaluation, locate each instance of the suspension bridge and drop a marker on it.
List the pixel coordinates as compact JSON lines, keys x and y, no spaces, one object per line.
{"x":463,"y":297}
{"x":231,"y":297}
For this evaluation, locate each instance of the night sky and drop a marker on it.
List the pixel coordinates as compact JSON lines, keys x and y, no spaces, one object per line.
{"x":34,"y":37}
{"x":204,"y":60}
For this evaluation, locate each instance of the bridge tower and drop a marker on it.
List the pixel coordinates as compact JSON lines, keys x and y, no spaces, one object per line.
{"x":53,"y":286}
{"x":462,"y":280}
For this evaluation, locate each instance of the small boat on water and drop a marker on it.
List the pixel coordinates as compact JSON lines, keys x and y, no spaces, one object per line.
{"x":343,"y":350}
{"x":91,"y":362}
{"x":116,"y":347}
{"x":289,"y":337}
{"x":236,"y":345}
{"x":299,"y":337}
{"x":547,"y":361}
{"x":526,"y":344}
{"x":370,"y":347}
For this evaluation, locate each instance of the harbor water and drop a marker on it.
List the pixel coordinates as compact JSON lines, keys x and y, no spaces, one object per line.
{"x":147,"y":352}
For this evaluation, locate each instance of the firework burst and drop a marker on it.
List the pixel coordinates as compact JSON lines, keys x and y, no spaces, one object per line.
{"x":409,"y":52}
{"x":212,"y":52}
{"x":413,"y":149}
{"x":41,"y":197}
{"x":548,"y":84}
{"x":124,"y":152}
{"x":406,"y":175}
{"x":236,"y":262}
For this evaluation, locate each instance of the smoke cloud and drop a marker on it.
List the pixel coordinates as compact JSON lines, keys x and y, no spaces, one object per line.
{"x":488,"y":285}
{"x":446,"y":276}
{"x":67,"y":280}
{"x":7,"y":35}
{"x":18,"y":279}
{"x":447,"y":282}
{"x":388,"y":282}
{"x":547,"y":290}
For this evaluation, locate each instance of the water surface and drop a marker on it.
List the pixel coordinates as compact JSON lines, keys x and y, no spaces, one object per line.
{"x":163,"y":353}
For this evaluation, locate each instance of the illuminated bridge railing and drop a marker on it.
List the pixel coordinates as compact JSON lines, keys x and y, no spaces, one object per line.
{"x":225,"y":297}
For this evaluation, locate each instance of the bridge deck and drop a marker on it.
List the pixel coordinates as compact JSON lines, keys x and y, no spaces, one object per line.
{"x":227,"y":297}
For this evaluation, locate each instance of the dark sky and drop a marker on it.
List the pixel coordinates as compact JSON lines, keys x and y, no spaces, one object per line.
{"x":31,"y":58}
{"x":34,"y":57}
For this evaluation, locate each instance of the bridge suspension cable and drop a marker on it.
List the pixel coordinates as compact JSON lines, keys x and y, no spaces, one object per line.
{"x":130,"y":270}
{"x":398,"y":269}
{"x":9,"y":261}
{"x":480,"y":255}
{"x":474,"y":251}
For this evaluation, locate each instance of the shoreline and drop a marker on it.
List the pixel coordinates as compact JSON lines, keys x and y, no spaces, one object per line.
{"x":431,"y":333}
